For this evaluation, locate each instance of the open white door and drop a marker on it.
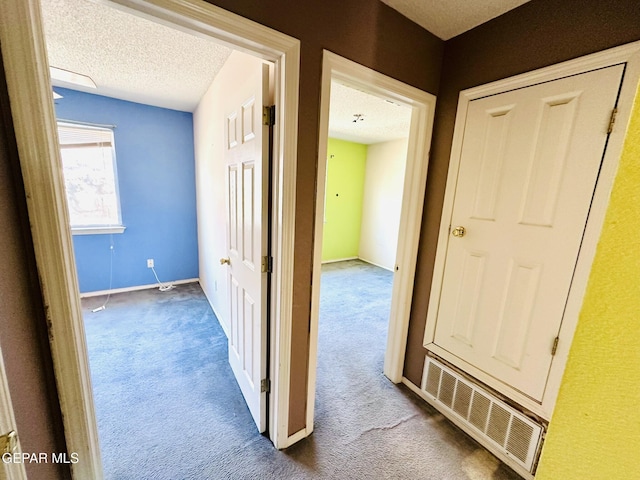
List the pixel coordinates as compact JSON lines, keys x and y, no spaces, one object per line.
{"x":246,"y":156}
{"x":9,"y":444}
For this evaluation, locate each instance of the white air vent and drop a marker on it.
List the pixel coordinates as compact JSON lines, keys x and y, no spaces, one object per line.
{"x":498,"y":426}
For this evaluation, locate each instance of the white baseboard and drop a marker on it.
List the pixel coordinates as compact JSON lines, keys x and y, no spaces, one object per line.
{"x":413,"y":387}
{"x":137,"y":287}
{"x":296,"y":437}
{"x":224,"y":326}
{"x":357,"y":258}
{"x":336,"y":260}
{"x":376,"y":264}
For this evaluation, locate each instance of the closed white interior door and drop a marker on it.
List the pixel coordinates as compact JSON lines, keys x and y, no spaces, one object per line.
{"x":246,"y":154}
{"x":528,"y":168}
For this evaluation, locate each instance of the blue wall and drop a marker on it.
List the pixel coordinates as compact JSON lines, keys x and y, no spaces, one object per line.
{"x":156,"y":176}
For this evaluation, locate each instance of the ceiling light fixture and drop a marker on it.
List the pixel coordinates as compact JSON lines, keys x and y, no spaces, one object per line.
{"x":66,"y":76}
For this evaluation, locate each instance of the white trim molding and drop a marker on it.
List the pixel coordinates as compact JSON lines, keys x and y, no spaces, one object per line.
{"x":9,"y":470}
{"x":626,"y":54}
{"x":117,"y":229}
{"x":423,"y":106}
{"x":27,"y":72}
{"x":137,"y":288}
{"x":26,"y":67}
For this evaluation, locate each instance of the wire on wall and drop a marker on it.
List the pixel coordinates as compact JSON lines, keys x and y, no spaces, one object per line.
{"x":111,"y":254}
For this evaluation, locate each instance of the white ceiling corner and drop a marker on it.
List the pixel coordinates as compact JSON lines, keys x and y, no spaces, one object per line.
{"x":446,"y":19}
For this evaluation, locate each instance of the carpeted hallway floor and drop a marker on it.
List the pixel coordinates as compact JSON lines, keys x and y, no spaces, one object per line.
{"x":168,"y":406}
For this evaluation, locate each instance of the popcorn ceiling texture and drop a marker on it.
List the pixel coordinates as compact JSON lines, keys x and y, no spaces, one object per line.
{"x":129,"y":57}
{"x":453,"y":17}
{"x":585,"y":440}
{"x":135,"y":59}
{"x":381,"y":120}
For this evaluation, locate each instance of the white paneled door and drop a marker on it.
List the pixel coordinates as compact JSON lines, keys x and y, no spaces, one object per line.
{"x":246,"y":157}
{"x":529,"y":164}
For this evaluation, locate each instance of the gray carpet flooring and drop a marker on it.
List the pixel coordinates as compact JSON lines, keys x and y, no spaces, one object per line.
{"x":168,"y":407}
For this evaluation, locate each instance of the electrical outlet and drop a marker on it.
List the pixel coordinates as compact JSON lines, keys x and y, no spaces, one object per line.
{"x":150,"y":263}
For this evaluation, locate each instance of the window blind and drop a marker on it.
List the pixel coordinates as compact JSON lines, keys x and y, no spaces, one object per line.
{"x":79,"y":136}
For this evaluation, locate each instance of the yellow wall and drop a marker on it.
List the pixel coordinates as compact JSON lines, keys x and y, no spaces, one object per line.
{"x":343,"y":204}
{"x":595,"y":430}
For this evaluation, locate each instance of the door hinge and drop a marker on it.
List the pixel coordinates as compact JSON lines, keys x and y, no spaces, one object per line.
{"x":269,"y":115}
{"x":265,"y":385}
{"x":554,"y":347}
{"x":8,"y":442}
{"x":267,"y":264}
{"x":612,"y":120}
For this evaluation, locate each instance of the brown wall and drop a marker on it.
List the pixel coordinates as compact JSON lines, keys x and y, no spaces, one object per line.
{"x":535,"y":35}
{"x":367,"y":32}
{"x":23,"y":330}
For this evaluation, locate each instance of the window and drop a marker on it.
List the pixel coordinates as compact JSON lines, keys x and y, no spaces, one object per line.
{"x":91,"y":182}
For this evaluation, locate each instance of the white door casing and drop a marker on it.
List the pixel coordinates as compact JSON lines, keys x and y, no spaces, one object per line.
{"x":498,"y":102}
{"x":246,"y":157}
{"x":423,"y":107}
{"x":9,"y":470}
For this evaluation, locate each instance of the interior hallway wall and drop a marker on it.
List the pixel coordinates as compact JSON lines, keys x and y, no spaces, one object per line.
{"x":586,"y":424}
{"x":537,"y":34}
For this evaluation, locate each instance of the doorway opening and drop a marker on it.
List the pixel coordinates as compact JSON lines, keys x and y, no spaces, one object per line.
{"x":160,"y":177}
{"x":366,"y":163}
{"x":30,"y":90}
{"x":391,"y":226}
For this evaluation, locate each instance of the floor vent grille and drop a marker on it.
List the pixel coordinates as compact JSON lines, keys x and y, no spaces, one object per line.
{"x":509,"y":433}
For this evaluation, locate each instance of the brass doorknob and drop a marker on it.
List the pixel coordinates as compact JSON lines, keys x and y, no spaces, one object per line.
{"x":225,"y":260}
{"x":459,"y":232}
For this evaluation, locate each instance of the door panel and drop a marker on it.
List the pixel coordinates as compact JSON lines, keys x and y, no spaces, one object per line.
{"x":246,"y":155}
{"x":529,"y":164}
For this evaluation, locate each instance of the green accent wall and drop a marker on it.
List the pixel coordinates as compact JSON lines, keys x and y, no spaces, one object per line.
{"x":343,"y":199}
{"x":594,"y":433}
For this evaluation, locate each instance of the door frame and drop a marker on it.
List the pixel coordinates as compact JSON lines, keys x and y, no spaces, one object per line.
{"x":422,"y":103}
{"x":13,"y":470}
{"x":629,"y":54}
{"x":26,"y":68}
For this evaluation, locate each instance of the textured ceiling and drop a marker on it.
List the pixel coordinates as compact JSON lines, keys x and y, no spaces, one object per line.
{"x":446,"y":19}
{"x":381,"y":119}
{"x":134,"y":59}
{"x":129,"y":57}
